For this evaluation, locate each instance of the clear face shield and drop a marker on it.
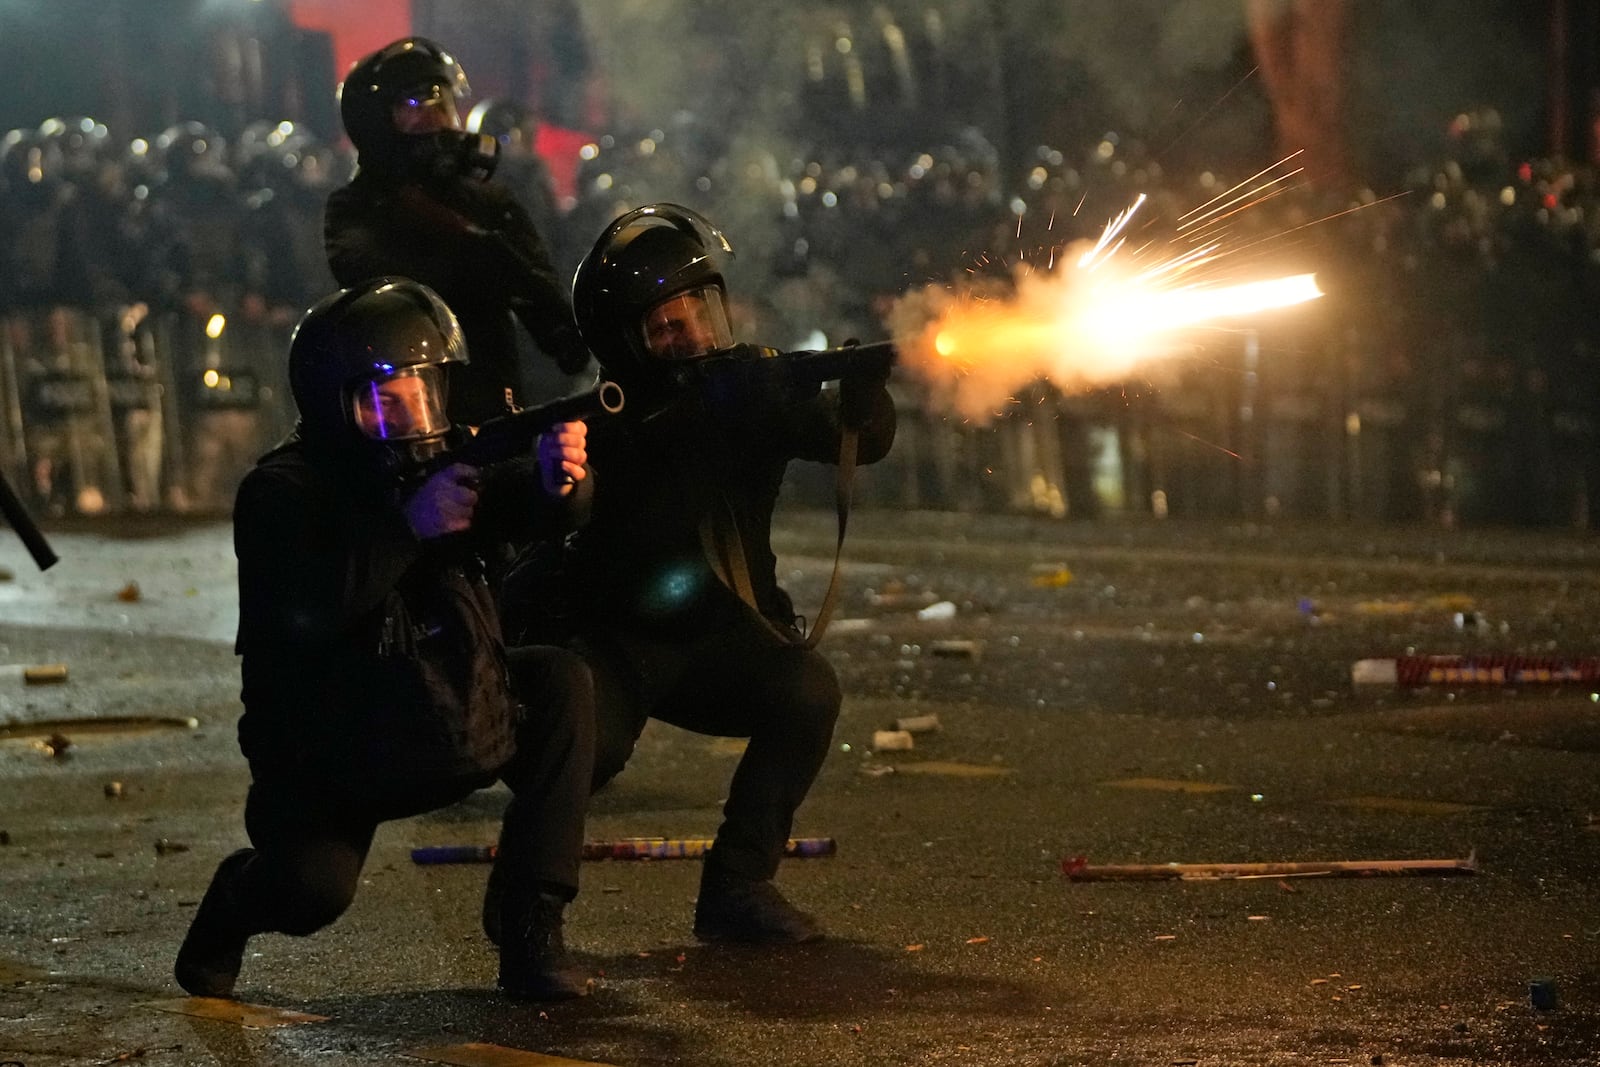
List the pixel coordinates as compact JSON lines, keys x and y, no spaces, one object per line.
{"x":409,"y":406}
{"x":688,"y":325}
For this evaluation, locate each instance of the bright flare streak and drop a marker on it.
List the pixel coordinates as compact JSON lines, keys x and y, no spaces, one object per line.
{"x":1123,"y":317}
{"x":1114,"y":227}
{"x":1104,"y":311}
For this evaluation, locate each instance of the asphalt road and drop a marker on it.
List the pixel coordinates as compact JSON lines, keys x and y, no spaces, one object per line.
{"x":1128,"y":694}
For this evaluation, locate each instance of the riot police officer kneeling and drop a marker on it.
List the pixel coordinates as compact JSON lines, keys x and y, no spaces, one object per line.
{"x":376,"y":685}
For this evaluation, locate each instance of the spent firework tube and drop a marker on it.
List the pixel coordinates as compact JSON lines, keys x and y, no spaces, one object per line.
{"x":632,"y":848}
{"x":1477,"y":670}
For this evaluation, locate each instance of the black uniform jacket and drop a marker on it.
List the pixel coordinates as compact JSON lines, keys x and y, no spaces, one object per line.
{"x":671,"y":488}
{"x":371,"y":658}
{"x":474,"y":245}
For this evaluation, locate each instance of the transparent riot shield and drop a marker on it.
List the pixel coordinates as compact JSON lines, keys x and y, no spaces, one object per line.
{"x":138,"y":398}
{"x":218,"y":402}
{"x":14,"y":454}
{"x":67,"y":440}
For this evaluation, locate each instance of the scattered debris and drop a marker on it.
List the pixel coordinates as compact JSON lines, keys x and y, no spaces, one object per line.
{"x":977,"y":940}
{"x":896,"y":595}
{"x":7,"y":574}
{"x":1078,"y":869}
{"x":1475,"y":670}
{"x":166,"y":848}
{"x":944,"y":609}
{"x":130,"y":594}
{"x":1051,"y":577}
{"x":113,"y":790}
{"x":892,"y":741}
{"x":35,"y":674}
{"x":55,"y":746}
{"x":918,"y":724}
{"x":5,"y":838}
{"x":954,"y":649}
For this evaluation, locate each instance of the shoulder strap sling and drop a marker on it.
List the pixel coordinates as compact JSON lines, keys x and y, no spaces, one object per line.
{"x":724,"y":548}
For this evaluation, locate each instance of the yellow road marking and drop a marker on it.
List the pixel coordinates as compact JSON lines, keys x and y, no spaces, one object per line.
{"x":1407,"y":806}
{"x":14,"y":973}
{"x":480,"y":1054}
{"x":249,"y":1016}
{"x":952,"y":769}
{"x":1169,"y":785}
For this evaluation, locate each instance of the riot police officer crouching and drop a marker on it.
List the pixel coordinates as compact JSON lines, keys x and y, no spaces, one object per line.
{"x":422,"y":205}
{"x":671,"y":588}
{"x":376,"y":685}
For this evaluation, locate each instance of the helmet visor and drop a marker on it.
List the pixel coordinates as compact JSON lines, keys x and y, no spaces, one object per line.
{"x":425,"y":109}
{"x":403,"y":407}
{"x":688,"y":325}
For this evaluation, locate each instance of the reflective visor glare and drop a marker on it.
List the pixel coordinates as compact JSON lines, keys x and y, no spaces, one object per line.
{"x":407,"y":406}
{"x":688,"y":325}
{"x":426,"y":108}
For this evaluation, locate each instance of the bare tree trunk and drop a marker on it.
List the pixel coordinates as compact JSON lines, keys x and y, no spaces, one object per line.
{"x":1300,"y":48}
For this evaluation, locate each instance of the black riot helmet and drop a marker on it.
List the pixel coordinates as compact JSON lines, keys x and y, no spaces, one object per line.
{"x":192,"y":154}
{"x":84,"y":144}
{"x":651,"y":292}
{"x":367,"y":369}
{"x":399,"y":106}
{"x":30,"y":166}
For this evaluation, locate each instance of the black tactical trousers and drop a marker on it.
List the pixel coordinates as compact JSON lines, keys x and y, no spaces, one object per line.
{"x":733,"y":682}
{"x":311,"y":839}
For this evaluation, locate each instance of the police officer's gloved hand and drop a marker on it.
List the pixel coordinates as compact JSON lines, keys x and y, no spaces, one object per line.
{"x":443,"y":504}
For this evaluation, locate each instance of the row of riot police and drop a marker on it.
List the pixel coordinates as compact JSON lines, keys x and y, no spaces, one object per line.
{"x":148,"y":288}
{"x":149,"y":293}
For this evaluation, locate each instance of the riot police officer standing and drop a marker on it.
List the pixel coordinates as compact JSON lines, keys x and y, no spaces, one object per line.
{"x":422,"y":206}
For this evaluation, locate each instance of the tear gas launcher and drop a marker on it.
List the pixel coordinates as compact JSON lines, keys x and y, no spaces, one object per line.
{"x":513,"y":436}
{"x":753,"y":363}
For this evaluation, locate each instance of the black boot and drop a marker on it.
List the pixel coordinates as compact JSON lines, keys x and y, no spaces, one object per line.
{"x":493,"y":901}
{"x":731,"y":908}
{"x":209,"y":960}
{"x":533,"y":954}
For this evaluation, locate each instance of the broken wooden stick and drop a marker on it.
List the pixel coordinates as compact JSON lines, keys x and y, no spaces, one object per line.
{"x":1078,"y":869}
{"x":629,"y":848}
{"x":1476,"y":670}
